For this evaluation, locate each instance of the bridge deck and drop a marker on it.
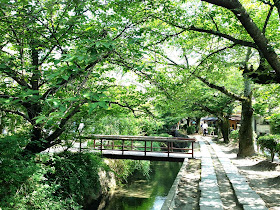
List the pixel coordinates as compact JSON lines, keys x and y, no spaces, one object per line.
{"x":126,"y":147}
{"x":140,"y":155}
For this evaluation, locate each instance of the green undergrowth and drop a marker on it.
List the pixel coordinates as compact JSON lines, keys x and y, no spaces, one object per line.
{"x":58,"y":181}
{"x":125,"y":169}
{"x":44,"y":181}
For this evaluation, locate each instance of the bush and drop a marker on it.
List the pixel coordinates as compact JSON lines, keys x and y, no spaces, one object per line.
{"x":191,"y":129}
{"x":269,"y":143}
{"x":76,"y":174}
{"x":23,"y":183}
{"x":210,"y":130}
{"x":274,"y":121}
{"x":234,"y":135}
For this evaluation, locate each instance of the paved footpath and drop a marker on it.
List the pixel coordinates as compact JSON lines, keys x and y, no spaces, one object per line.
{"x":212,"y":192}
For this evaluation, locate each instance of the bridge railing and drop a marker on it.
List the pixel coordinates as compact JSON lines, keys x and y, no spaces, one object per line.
{"x":151,"y":144}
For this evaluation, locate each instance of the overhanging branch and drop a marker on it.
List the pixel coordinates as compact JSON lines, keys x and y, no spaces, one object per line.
{"x":221,"y":89}
{"x":18,"y":113}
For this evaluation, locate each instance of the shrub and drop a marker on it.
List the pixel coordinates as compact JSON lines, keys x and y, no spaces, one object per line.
{"x":210,"y":130}
{"x":23,"y":183}
{"x":234,"y":135}
{"x":269,"y":143}
{"x":274,"y":121}
{"x":191,"y":129}
{"x":77,"y":175}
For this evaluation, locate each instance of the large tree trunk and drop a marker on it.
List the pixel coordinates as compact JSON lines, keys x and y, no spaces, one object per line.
{"x":224,"y":124}
{"x":246,"y":142}
{"x":197,"y":124}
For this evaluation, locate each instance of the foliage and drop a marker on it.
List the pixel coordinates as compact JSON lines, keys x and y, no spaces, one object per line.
{"x":111,"y":124}
{"x":23,"y":183}
{"x":55,"y":58}
{"x":123,"y":169}
{"x":76,"y":174}
{"x":269,"y":143}
{"x":274,"y":121}
{"x":210,"y":129}
{"x":191,"y":129}
{"x":162,"y":135}
{"x":234,"y":135}
{"x":266,"y":99}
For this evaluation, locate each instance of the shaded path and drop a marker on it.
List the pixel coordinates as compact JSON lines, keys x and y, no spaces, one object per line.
{"x":221,"y":186}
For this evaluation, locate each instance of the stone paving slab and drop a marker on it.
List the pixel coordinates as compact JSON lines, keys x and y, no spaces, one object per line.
{"x":210,"y":202}
{"x":206,"y":177}
{"x":237,"y":179}
{"x":241,"y":187}
{"x":210,"y":195}
{"x":208,"y":171}
{"x":253,"y":207}
{"x":209,"y":208}
{"x":205,"y":188}
{"x":247,"y":197}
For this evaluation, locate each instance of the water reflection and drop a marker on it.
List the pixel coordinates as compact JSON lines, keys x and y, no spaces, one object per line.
{"x":141,"y":194}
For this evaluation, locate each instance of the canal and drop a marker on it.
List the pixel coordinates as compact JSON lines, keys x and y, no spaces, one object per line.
{"x":143,"y":194}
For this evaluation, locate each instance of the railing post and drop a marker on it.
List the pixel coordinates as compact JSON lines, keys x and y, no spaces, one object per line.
{"x":131,"y":145}
{"x":94,"y":144}
{"x":171,"y":146}
{"x":145,"y":147}
{"x":151,"y":146}
{"x":101,"y":146}
{"x":122,"y":147}
{"x":168,"y":149}
{"x":192,"y":149}
{"x":112,"y":145}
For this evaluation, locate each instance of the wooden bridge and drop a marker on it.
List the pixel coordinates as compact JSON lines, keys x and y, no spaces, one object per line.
{"x":142,"y":147}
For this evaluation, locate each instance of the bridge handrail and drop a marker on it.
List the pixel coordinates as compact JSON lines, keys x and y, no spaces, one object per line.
{"x":139,"y":138}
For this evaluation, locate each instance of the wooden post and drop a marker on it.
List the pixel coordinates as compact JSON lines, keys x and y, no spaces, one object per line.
{"x":122,"y":147}
{"x":145,"y":147}
{"x":101,"y":146}
{"x":192,"y":149}
{"x":168,"y":147}
{"x":171,"y":146}
{"x":151,"y":146}
{"x":94,"y":144}
{"x":131,"y":145}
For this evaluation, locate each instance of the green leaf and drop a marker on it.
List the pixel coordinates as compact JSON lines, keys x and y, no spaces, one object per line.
{"x":65,"y":77}
{"x":103,"y":104}
{"x":56,"y":62}
{"x":92,"y":107}
{"x":40,"y":119}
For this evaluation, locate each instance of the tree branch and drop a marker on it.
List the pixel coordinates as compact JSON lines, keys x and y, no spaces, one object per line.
{"x":205,"y":108}
{"x":267,"y":19}
{"x":61,"y":126}
{"x":167,"y":37}
{"x":217,"y":33}
{"x":221,"y":89}
{"x":18,"y":113}
{"x":226,"y":36}
{"x":256,"y":34}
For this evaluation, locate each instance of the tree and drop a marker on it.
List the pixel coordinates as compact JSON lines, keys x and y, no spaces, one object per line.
{"x":265,"y":48}
{"x":53,"y":60}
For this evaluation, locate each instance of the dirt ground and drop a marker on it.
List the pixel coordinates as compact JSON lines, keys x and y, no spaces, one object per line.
{"x":263,"y":175}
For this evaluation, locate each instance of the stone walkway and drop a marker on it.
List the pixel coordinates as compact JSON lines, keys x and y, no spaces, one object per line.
{"x":210,"y":198}
{"x":220,"y":186}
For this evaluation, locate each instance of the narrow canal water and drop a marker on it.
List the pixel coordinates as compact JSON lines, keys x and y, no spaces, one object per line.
{"x":143,"y":194}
